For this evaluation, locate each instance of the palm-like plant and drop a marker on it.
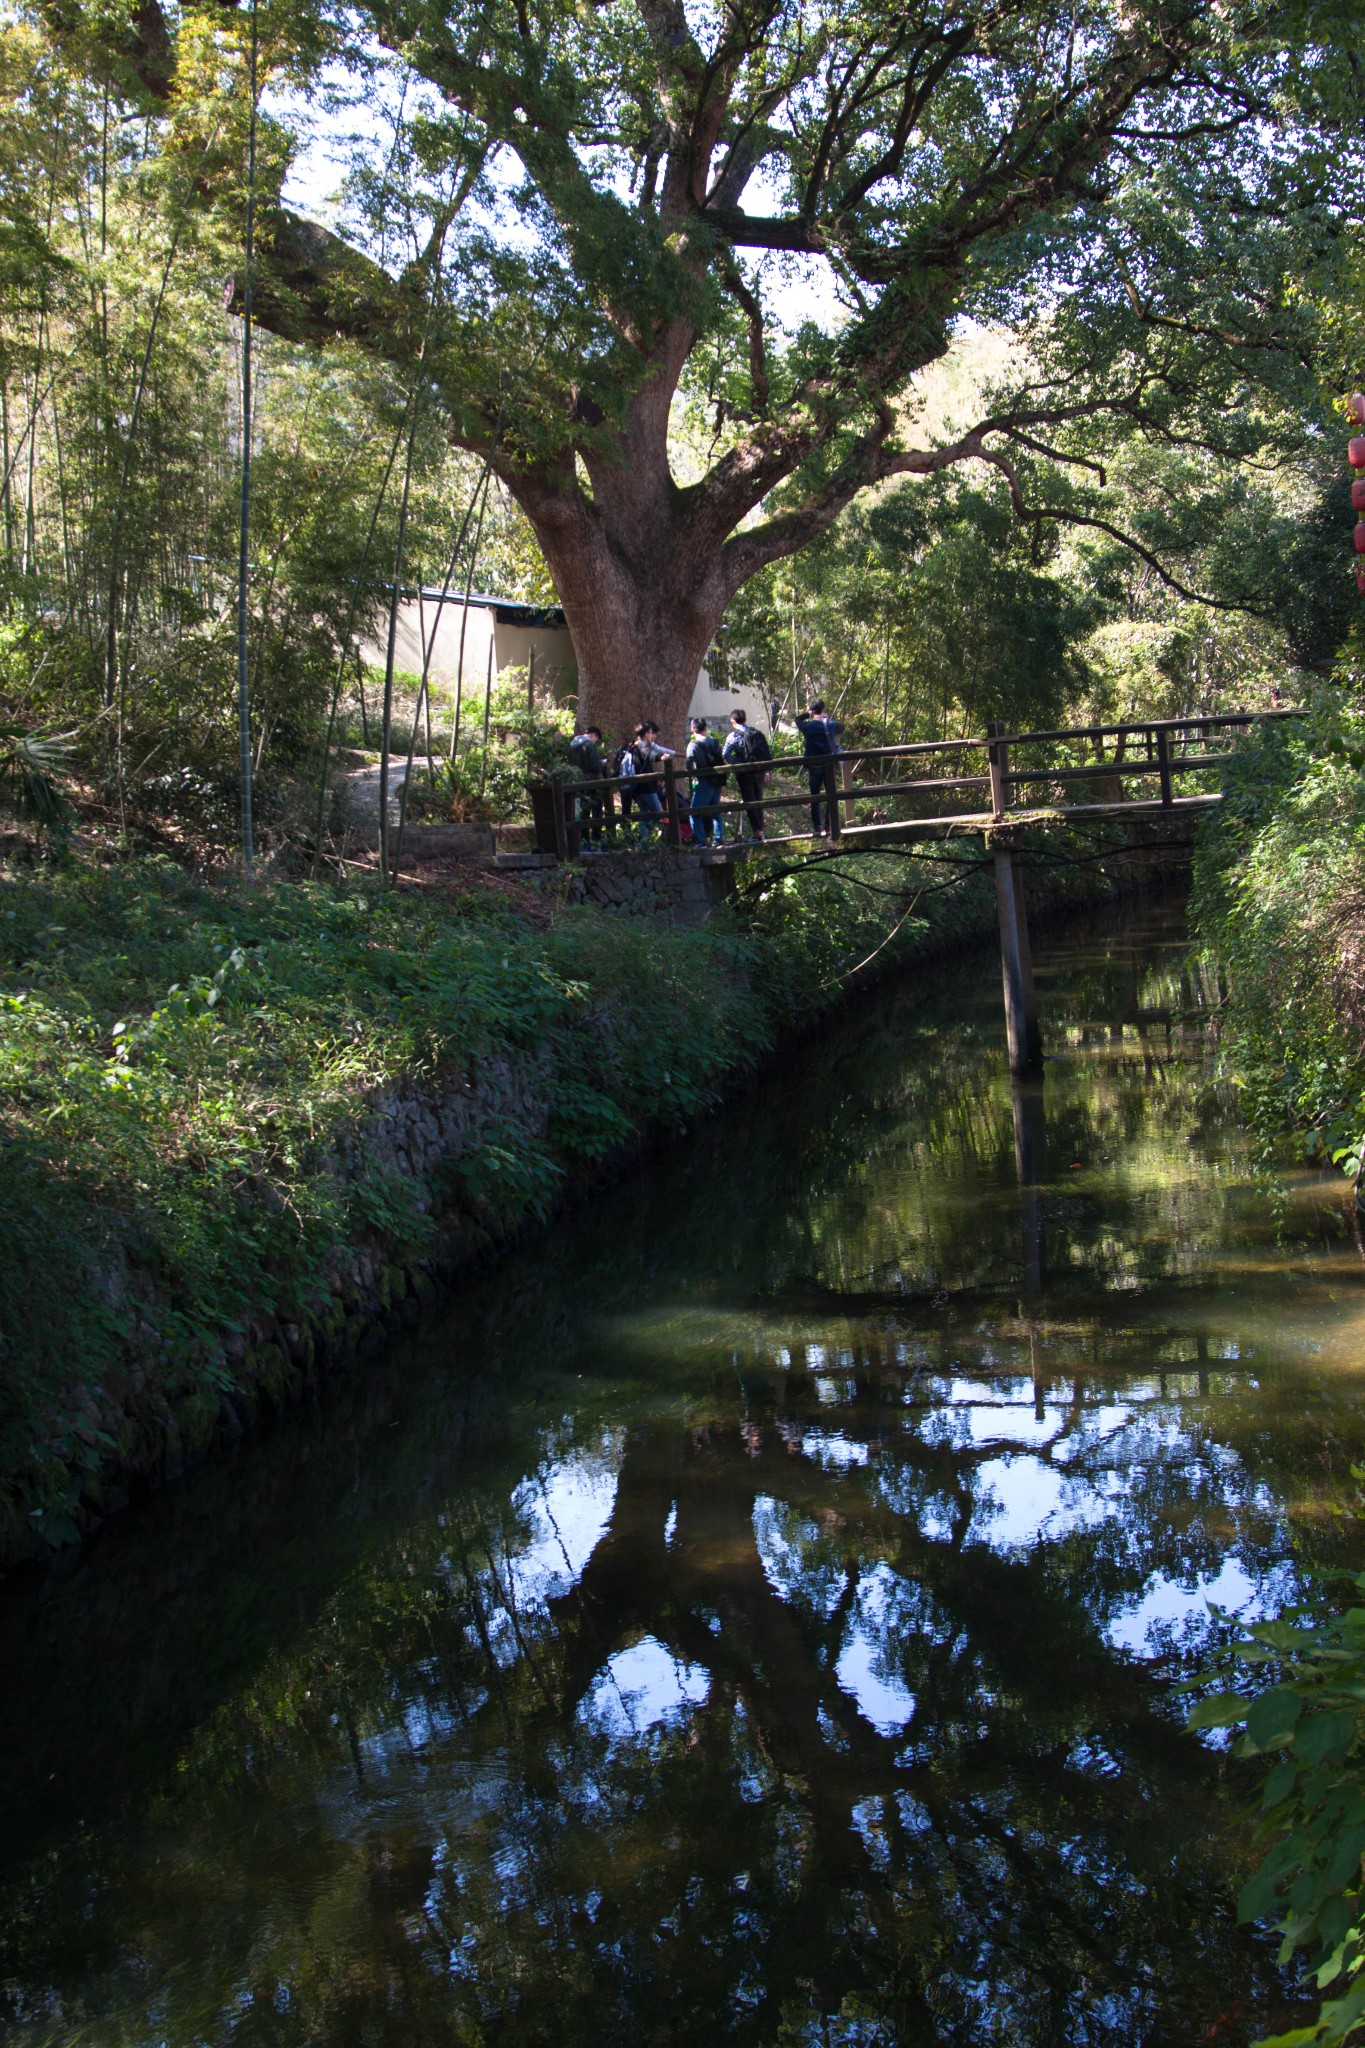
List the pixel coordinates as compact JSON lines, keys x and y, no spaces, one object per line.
{"x":32,"y":768}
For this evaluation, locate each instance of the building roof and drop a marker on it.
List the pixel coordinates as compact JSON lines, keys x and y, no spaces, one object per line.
{"x":508,"y":611}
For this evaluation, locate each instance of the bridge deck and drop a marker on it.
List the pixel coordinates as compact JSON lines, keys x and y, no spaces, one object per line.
{"x":1119,"y":763}
{"x":854,"y":837}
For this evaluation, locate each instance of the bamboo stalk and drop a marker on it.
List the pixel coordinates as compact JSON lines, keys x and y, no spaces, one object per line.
{"x":244,"y":523}
{"x":464,"y":620}
{"x":395,"y":599}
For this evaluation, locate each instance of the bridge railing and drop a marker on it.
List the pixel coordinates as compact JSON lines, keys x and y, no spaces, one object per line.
{"x":1136,"y":762}
{"x":867,"y":792}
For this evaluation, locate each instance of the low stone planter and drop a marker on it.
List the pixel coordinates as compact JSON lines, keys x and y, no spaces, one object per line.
{"x":447,"y":842}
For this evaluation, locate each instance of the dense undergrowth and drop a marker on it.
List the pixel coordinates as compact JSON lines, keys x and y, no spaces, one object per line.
{"x":180,"y":1065}
{"x":1280,"y":901}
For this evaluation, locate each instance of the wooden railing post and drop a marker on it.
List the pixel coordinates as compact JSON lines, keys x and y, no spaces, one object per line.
{"x":832,"y":797}
{"x":561,"y":832}
{"x":542,"y":815}
{"x":998,"y":754}
{"x":1163,"y":760}
{"x":846,"y":778}
{"x":672,"y":826}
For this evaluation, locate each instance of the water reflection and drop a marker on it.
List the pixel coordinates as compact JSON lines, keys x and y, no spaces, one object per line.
{"x":751,"y":1617}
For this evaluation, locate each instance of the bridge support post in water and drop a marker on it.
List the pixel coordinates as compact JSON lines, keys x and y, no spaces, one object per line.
{"x":1030,"y":1167}
{"x":1016,"y":965}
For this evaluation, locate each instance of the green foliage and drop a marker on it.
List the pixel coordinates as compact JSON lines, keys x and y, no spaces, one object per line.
{"x":1309,"y":1718}
{"x":185,"y":1072}
{"x":526,"y":744}
{"x":876,"y":617}
{"x":930,"y":180}
{"x":1280,"y":881}
{"x":120,"y":367}
{"x":31,"y":768}
{"x":930,"y":609}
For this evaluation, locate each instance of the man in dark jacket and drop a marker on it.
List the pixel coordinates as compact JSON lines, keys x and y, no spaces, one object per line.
{"x":819,"y":737}
{"x":648,"y":756}
{"x":703,"y":759}
{"x":745,"y":746}
{"x":585,"y":751}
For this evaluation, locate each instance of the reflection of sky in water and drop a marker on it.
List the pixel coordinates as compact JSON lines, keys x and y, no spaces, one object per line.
{"x":1169,"y":1609}
{"x":788,"y":1549}
{"x":863,"y":1671}
{"x":1022,"y":1500}
{"x":643,"y":1688}
{"x":835,"y":1453}
{"x":557,"y":1516}
{"x":1014,"y":1422}
{"x":565,"y":1506}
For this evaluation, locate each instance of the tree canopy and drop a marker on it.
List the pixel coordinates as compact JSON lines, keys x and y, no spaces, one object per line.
{"x":564,"y":215}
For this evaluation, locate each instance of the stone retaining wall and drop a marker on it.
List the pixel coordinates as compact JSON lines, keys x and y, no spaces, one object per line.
{"x":146,"y":1435}
{"x":671,"y":885}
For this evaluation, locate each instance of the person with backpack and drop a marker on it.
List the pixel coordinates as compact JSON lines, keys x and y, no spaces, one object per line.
{"x":648,"y":755}
{"x":623,"y":764}
{"x":585,"y":751}
{"x":703,"y":758}
{"x":745,"y":746}
{"x":819,"y":737}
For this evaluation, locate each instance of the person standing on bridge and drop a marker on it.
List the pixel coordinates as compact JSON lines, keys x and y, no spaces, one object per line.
{"x":703,"y":759}
{"x":585,"y":751}
{"x":648,"y":755}
{"x":623,"y":764}
{"x":819,"y":739}
{"x":746,"y":748}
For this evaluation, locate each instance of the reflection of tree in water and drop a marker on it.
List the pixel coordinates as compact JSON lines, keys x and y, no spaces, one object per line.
{"x":893,"y":1783}
{"x":437,"y":1822}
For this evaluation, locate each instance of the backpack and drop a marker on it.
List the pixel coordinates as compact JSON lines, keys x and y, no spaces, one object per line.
{"x":816,"y":736}
{"x":623,"y":763}
{"x":703,"y":755}
{"x":745,"y":744}
{"x":641,"y":761}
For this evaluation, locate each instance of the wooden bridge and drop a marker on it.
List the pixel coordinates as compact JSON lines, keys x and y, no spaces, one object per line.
{"x":871,"y":796}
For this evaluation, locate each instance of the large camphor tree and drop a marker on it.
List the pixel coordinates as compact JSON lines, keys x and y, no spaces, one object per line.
{"x":599,"y":202}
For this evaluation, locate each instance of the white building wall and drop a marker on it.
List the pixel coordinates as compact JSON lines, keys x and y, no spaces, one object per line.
{"x":512,"y":646}
{"x":715,"y":702}
{"x":556,"y":672}
{"x":416,"y":618}
{"x":556,"y":669}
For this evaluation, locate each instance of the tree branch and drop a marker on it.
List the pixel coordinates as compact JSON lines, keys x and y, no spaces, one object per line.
{"x":758,"y":349}
{"x":1037,"y":515}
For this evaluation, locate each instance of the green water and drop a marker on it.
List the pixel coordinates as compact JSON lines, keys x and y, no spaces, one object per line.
{"x":749,"y":1616}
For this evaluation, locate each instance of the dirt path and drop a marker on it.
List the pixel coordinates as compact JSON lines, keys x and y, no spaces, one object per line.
{"x":360,"y":800}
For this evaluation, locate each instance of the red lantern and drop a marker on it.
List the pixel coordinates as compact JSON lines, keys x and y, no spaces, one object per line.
{"x":1355,"y":408}
{"x":1355,"y":452}
{"x":1358,"y":495}
{"x":1359,"y":537}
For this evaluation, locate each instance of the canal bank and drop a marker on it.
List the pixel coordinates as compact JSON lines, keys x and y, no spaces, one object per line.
{"x":756,"y":1604}
{"x":250,"y":1137}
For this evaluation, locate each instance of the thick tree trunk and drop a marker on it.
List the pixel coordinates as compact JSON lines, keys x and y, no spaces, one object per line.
{"x":642,"y":606}
{"x":638,"y":655}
